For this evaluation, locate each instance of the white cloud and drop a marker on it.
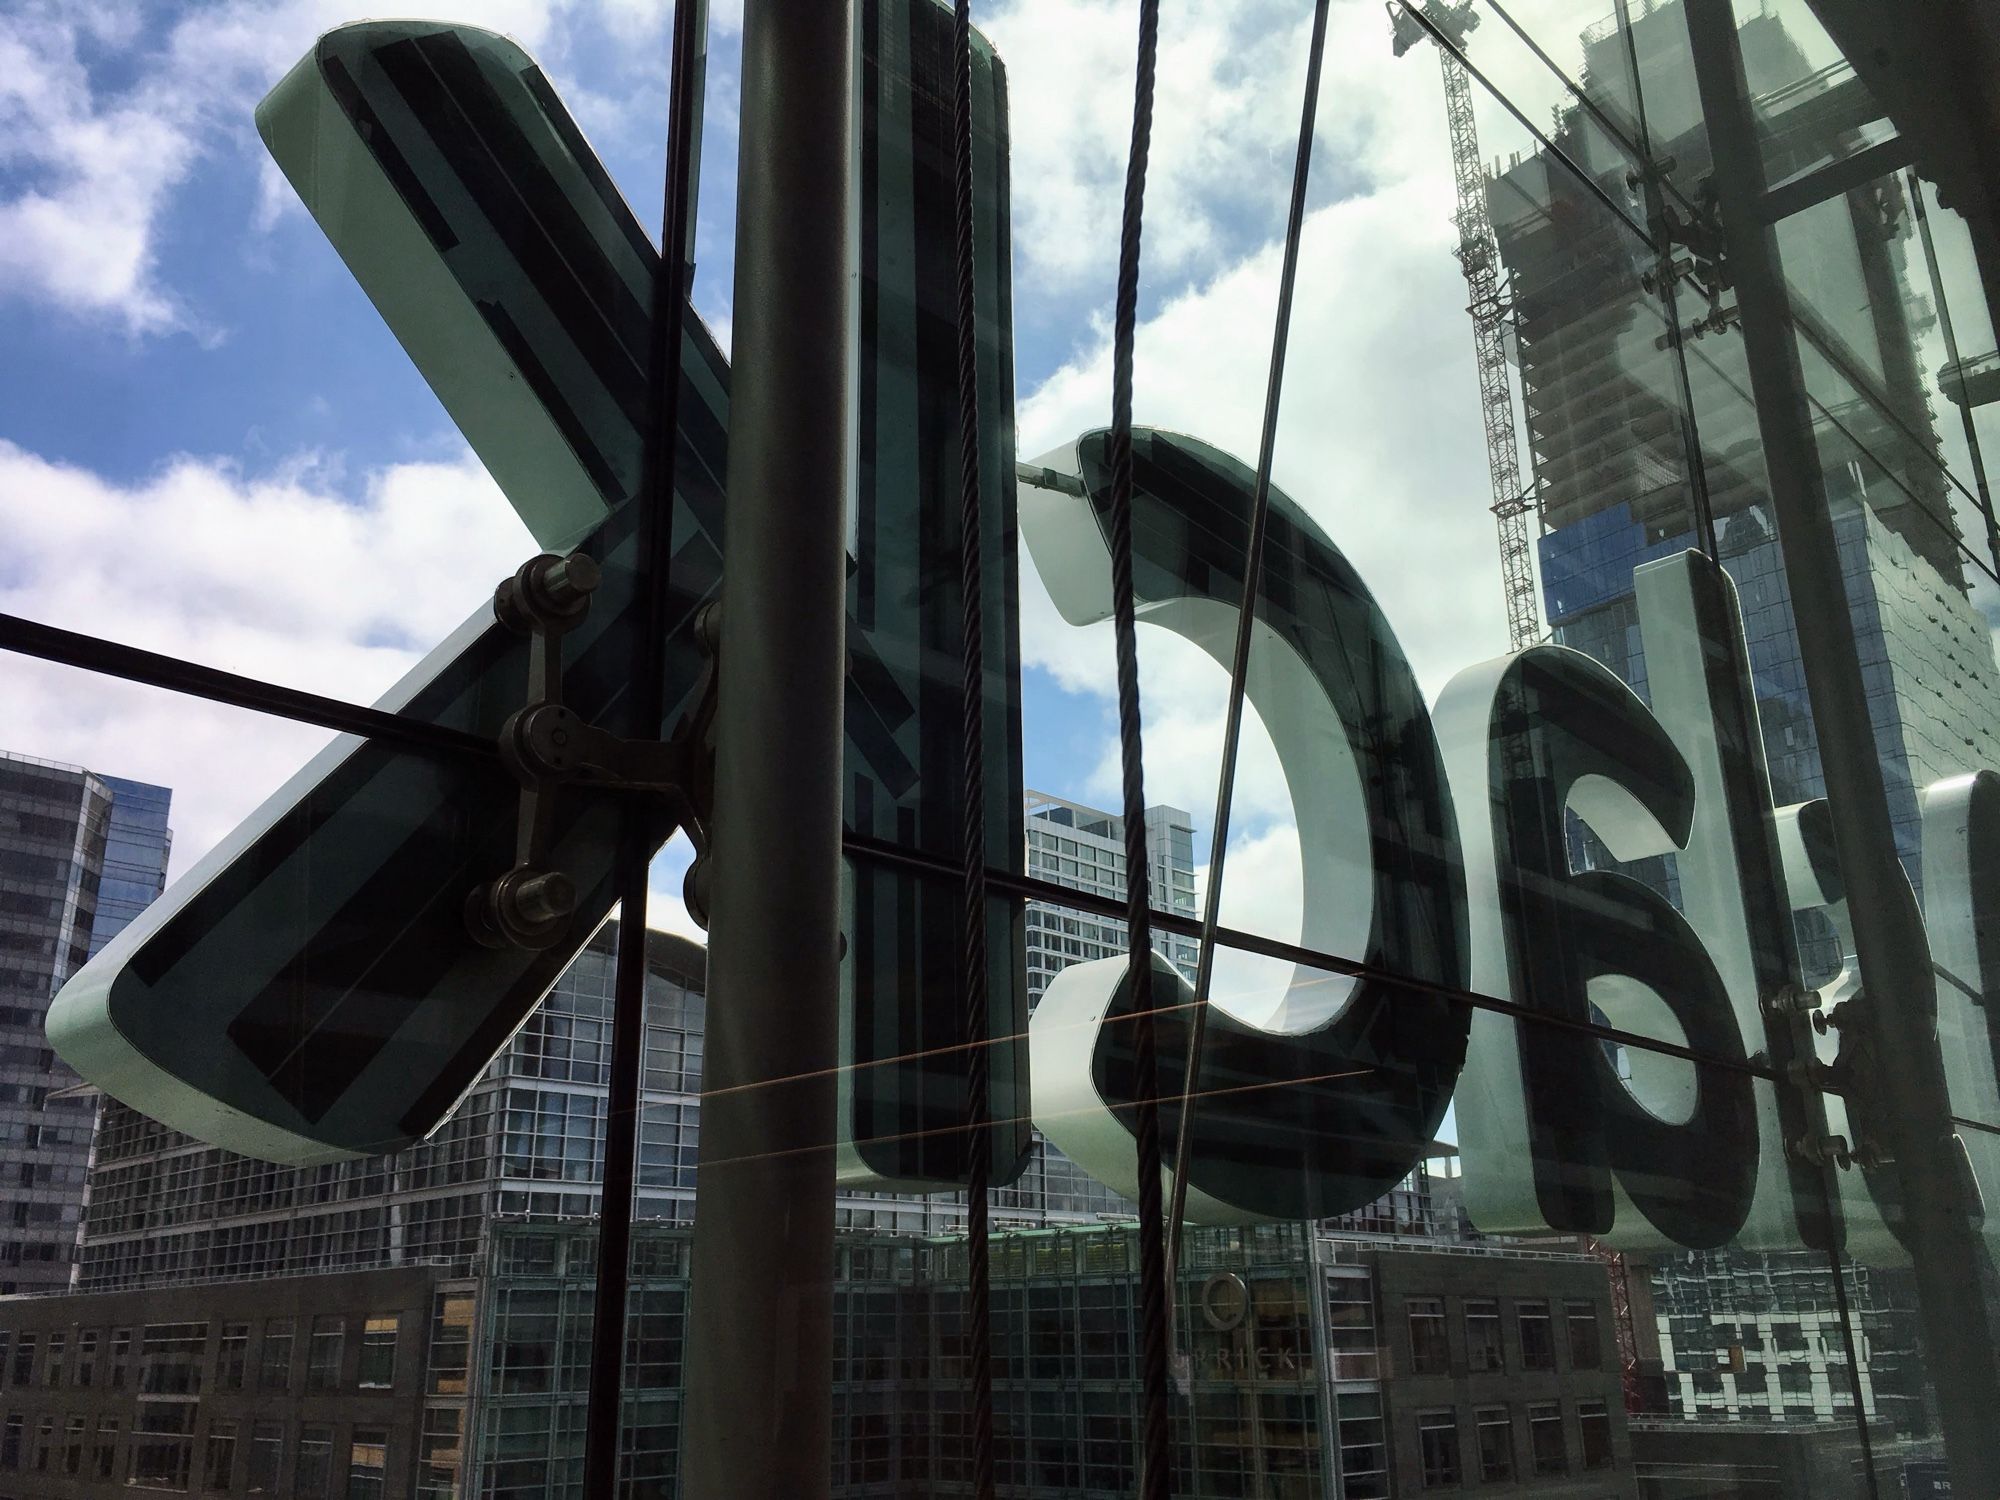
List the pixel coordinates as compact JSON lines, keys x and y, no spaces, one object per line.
{"x":90,"y":175}
{"x":87,"y":172}
{"x":287,"y":575}
{"x":1379,"y":438}
{"x":282,"y":575}
{"x":665,"y":910}
{"x":1230,"y":81}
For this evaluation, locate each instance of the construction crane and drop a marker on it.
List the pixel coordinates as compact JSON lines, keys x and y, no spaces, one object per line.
{"x":1479,"y":255}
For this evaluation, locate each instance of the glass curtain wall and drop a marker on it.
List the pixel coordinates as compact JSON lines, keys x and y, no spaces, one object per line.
{"x":1592,"y":953}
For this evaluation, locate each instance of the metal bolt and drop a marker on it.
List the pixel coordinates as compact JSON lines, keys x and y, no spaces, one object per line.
{"x":542,"y":898}
{"x":567,"y":581}
{"x":547,"y":592}
{"x":522,"y":909}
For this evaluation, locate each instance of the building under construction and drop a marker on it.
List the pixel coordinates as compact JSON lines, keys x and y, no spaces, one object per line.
{"x":1631,"y":365}
{"x":1641,"y":441}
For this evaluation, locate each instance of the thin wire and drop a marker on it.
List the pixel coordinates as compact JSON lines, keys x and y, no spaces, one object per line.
{"x":1155,"y":1476}
{"x":1067,"y":898}
{"x":972,"y":778}
{"x":637,"y":838}
{"x":1253,"y":565}
{"x":1081,"y":1111}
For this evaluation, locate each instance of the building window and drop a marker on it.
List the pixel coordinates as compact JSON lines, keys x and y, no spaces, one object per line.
{"x":121,"y":1356}
{"x":1496,"y":1444}
{"x":1538,"y":1348}
{"x":1364,"y":1456}
{"x":24,"y":1360}
{"x":267,"y":1458}
{"x":162,"y":1445}
{"x":1482,"y":1335}
{"x":45,"y":1441}
{"x":1584,"y":1353}
{"x":378,"y":1353}
{"x":86,"y":1357}
{"x":233,"y":1358}
{"x":73,"y":1433}
{"x":451,"y":1342}
{"x":1594,"y":1418}
{"x":314,"y":1480}
{"x":524,"y":1341}
{"x":105,"y":1448}
{"x":323,"y":1354}
{"x":1437,"y":1445}
{"x":10,"y":1441}
{"x":218,"y":1464}
{"x":437,"y":1469}
{"x":275,"y":1373}
{"x":52,"y":1369}
{"x":1430,"y":1351}
{"x":1545,"y":1439}
{"x":1350,"y":1327}
{"x":367,"y":1463}
{"x":170,"y":1357}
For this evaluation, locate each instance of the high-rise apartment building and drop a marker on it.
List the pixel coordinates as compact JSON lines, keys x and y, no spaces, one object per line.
{"x":80,"y":856}
{"x":1084,"y":847}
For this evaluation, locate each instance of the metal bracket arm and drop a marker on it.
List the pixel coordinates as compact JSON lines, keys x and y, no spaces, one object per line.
{"x":546,"y":746}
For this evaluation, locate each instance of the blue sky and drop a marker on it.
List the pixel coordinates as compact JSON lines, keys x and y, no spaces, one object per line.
{"x":210,"y":443}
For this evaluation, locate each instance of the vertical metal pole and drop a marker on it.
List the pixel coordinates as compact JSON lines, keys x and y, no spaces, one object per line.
{"x":1899,"y":1006}
{"x":1649,"y":175}
{"x":638,"y":840}
{"x":756,"y":1420}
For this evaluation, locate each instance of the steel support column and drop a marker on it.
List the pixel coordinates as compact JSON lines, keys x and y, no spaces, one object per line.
{"x":756,"y":1421}
{"x":1913,"y":1110}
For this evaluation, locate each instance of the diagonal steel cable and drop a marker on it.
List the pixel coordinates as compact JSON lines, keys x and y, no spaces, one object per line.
{"x":1239,"y":666}
{"x":1156,"y":1440}
{"x":605,"y":1402}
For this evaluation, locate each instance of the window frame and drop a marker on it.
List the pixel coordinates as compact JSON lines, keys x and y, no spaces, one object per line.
{"x":1487,"y":1420}
{"x":1534,"y":1311}
{"x":1440,"y":1454}
{"x":1430,"y":1352}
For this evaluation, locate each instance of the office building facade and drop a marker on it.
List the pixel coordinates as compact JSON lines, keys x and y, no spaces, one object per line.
{"x":1319,"y":1364}
{"x":232,"y":1329}
{"x":1080,"y":846}
{"x":80,"y":856}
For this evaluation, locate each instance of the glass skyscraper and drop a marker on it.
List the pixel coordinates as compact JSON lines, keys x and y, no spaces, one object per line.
{"x":80,"y":856}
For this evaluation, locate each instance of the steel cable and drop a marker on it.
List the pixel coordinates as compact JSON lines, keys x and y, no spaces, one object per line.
{"x":972,"y":783}
{"x":1155,"y":1473}
{"x":609,"y":1305}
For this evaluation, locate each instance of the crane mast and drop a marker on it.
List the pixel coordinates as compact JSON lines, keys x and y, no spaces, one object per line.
{"x":1479,"y":255}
